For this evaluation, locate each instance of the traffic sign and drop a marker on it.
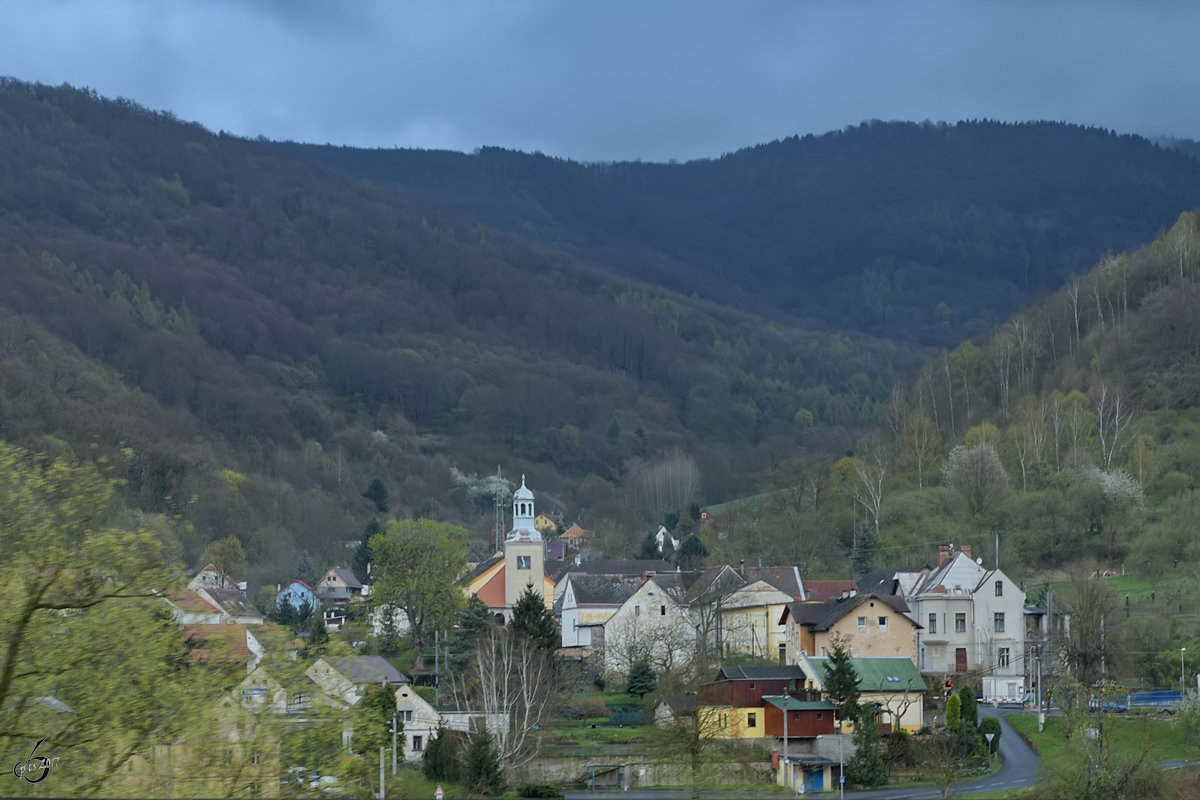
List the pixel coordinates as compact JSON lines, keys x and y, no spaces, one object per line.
{"x":439,"y":794}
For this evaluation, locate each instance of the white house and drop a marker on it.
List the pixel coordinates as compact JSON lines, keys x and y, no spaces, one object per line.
{"x":973,"y":624}
{"x":588,"y":601}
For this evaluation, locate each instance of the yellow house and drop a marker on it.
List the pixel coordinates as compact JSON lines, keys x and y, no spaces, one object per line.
{"x":545,"y":524}
{"x":750,"y":622}
{"x":732,"y":707}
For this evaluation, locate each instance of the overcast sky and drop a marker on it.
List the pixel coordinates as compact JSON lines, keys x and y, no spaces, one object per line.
{"x":614,"y":79}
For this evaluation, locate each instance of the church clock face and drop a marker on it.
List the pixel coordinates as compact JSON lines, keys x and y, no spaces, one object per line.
{"x":523,"y":562}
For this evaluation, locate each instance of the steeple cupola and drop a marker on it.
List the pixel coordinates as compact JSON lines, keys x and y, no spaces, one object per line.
{"x":523,"y":515}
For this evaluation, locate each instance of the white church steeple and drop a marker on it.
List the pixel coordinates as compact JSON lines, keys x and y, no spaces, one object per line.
{"x":523,"y":515}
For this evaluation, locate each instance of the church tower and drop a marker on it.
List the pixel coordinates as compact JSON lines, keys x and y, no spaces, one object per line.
{"x":524,"y":550}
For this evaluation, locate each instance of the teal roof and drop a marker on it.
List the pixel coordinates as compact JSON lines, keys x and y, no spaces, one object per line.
{"x":798,"y":705}
{"x":879,"y":674}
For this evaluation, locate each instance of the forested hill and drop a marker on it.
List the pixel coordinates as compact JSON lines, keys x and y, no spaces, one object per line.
{"x":928,"y":233}
{"x":254,"y":340}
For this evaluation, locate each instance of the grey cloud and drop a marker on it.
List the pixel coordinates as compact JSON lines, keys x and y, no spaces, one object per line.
{"x":623,"y":79}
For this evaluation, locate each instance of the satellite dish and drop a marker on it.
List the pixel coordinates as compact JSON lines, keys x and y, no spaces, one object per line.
{"x":979,"y":561}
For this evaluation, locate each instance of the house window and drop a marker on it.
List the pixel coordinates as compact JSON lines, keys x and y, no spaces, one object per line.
{"x":751,"y":684}
{"x":637,"y":611}
{"x":883,"y":623}
{"x":960,"y":622}
{"x":752,"y":720}
{"x":255,"y":757}
{"x":662,"y":611}
{"x":418,"y":744}
{"x":999,"y":588}
{"x":820,"y":716}
{"x":1002,"y":657}
{"x":406,"y":716}
{"x":998,"y":622}
{"x":933,"y":623}
{"x":862,"y":624}
{"x":523,"y":562}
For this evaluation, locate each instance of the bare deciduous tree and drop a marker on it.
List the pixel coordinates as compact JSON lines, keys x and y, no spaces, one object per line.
{"x":511,"y":679}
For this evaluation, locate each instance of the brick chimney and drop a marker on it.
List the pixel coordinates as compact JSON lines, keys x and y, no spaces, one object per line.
{"x":966,"y":550}
{"x":943,"y":554}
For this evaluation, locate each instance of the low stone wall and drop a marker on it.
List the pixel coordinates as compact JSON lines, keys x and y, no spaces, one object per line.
{"x":635,"y":773}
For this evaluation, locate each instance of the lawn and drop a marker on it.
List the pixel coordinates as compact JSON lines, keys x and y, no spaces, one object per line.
{"x":1124,"y":735}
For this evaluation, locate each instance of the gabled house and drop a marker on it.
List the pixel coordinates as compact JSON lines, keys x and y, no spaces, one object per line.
{"x":575,"y":536}
{"x":893,"y":686}
{"x":212,"y":578}
{"x":190,"y":607}
{"x":974,"y":624}
{"x":296,"y":594}
{"x":867,"y":625}
{"x":588,"y":601}
{"x":546,"y":524}
{"x":420,"y":718}
{"x":660,"y":622}
{"x":750,"y":622}
{"x":731,"y":707}
{"x":339,"y":586}
{"x":223,"y":644}
{"x":348,"y":677}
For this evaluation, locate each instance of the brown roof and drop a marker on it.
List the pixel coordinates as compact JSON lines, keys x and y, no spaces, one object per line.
{"x":210,"y":644}
{"x":187,"y":600}
{"x":575,"y":532}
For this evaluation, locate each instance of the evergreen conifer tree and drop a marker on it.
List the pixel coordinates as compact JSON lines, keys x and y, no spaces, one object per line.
{"x":481,"y":766}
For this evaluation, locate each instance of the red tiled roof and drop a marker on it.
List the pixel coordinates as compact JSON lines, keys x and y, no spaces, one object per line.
{"x":492,"y":592}
{"x":217,"y":644}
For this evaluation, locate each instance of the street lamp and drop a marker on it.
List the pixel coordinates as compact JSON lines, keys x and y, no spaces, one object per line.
{"x":1181,"y":652}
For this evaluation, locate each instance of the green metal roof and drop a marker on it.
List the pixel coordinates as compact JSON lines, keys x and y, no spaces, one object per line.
{"x":879,"y":674}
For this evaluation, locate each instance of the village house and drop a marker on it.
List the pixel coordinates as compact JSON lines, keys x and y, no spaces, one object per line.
{"x":297,"y":594}
{"x":867,"y":625}
{"x":973,"y":622}
{"x":348,"y":677}
{"x":893,"y":686}
{"x":339,"y":587}
{"x":731,"y":707}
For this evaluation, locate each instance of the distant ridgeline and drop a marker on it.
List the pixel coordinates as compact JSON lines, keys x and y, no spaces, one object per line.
{"x":926,"y":233}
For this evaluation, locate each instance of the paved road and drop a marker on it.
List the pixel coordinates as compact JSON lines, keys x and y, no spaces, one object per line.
{"x":1018,"y":769}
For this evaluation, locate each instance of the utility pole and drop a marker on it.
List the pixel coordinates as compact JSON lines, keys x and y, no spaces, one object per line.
{"x":381,"y":792}
{"x":393,"y":744}
{"x":1041,"y":711}
{"x":787,"y":767}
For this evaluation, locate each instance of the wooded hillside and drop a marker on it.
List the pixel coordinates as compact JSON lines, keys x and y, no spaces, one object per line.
{"x":924,"y":233}
{"x":265,"y":348}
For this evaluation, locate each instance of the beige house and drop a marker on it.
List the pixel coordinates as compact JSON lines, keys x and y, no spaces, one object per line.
{"x":869,"y":625}
{"x":347,"y":678}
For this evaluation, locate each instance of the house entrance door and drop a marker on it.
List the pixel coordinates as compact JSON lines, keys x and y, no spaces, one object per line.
{"x":960,"y":659}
